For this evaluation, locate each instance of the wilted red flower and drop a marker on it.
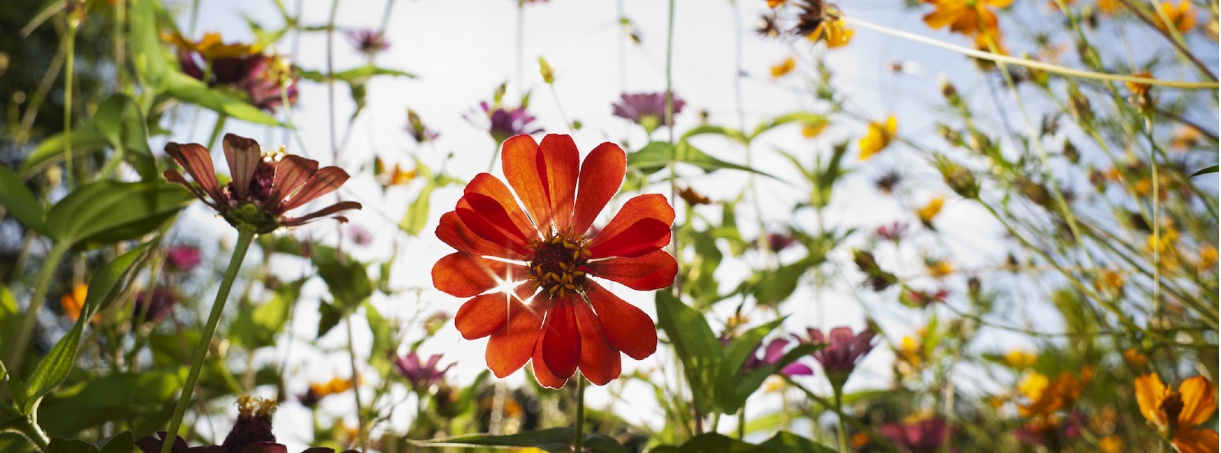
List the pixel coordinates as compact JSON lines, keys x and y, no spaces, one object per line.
{"x":263,"y":188}
{"x":843,"y":351}
{"x":647,"y":109}
{"x":526,"y":272}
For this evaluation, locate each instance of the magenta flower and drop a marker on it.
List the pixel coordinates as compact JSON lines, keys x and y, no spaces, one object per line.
{"x":257,"y":75}
{"x":183,"y":258}
{"x":924,"y":436}
{"x":263,"y":188}
{"x":421,"y":376}
{"x":368,"y":41}
{"x":842,"y":353}
{"x":508,"y":122}
{"x":153,"y":306}
{"x":646,"y":109}
{"x":772,"y":354}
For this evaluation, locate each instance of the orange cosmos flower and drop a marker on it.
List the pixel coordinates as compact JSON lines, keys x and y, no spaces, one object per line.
{"x":878,"y":137}
{"x":1182,"y":16}
{"x":74,"y":302}
{"x":1176,"y":414}
{"x":528,"y":272}
{"x":964,"y":16}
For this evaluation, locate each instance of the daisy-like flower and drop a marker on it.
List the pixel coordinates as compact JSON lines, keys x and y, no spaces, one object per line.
{"x":1182,"y":16}
{"x":647,"y":109}
{"x":528,"y":272}
{"x":417,"y":130}
{"x":265,"y":79}
{"x":878,"y":137}
{"x":1176,"y":414}
{"x":368,"y":41}
{"x":264,"y":186}
{"x":507,"y":122}
{"x":843,"y":352}
{"x":964,"y":16}
{"x":421,"y":375}
{"x":211,"y":46}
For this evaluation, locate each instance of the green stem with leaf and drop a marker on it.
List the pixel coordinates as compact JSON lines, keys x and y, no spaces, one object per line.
{"x":245,"y":235}
{"x":21,"y":341}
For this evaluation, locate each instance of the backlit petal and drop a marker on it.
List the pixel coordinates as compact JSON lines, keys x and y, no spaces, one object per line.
{"x":486,"y":314}
{"x":1199,"y":403}
{"x":511,"y":347}
{"x":198,"y":163}
{"x":646,"y":272}
{"x":1149,"y":393}
{"x":561,"y":343}
{"x":332,"y":209}
{"x":291,"y":173}
{"x":1188,"y":440}
{"x":543,"y":375}
{"x":487,"y":185}
{"x":523,"y":167}
{"x":452,"y":231}
{"x":648,"y":206}
{"x":320,"y":183}
{"x":562,"y":161}
{"x":463,"y":275}
{"x":488,"y":219}
{"x":601,"y":175}
{"x":643,"y":237}
{"x":626,"y":327}
{"x":243,"y":155}
{"x":600,"y":362}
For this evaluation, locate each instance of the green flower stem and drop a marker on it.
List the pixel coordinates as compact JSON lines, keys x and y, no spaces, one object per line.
{"x":220,"y":125}
{"x":244,"y":237}
{"x":579,"y":441}
{"x":877,"y":438}
{"x":21,"y":341}
{"x":839,"y":419}
{"x":69,"y":68}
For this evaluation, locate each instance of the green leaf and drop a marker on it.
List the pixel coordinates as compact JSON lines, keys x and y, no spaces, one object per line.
{"x":749,"y":384}
{"x":19,"y":201}
{"x":355,"y":74}
{"x":348,"y":281}
{"x":147,"y":54}
{"x":84,"y":140}
{"x":656,"y":155}
{"x":782,"y":442}
{"x":803,"y":117}
{"x":121,"y":122}
{"x":552,"y":440}
{"x":417,"y":212}
{"x":780,"y":283}
{"x":786,"y":442}
{"x":105,"y":212}
{"x":697,"y":347}
{"x":730,"y":133}
{"x":329,"y":316}
{"x":259,"y":327}
{"x":1204,"y":171}
{"x":383,"y":338}
{"x":187,"y":89}
{"x":53,"y":369}
{"x":123,"y":442}
{"x":62,"y":445}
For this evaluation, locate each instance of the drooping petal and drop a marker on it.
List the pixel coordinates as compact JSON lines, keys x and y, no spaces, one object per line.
{"x":1188,"y":440}
{"x":490,"y":187}
{"x":512,"y":346}
{"x":648,"y":206}
{"x":543,"y":375}
{"x":291,"y":172}
{"x":488,"y":219}
{"x":561,"y":342}
{"x":601,"y":175}
{"x":643,"y":237}
{"x":1149,"y":393}
{"x":196,"y":161}
{"x":463,"y":275}
{"x":452,"y":231}
{"x":626,"y":327}
{"x":647,"y":272}
{"x":332,"y":209}
{"x":243,"y":155}
{"x":320,"y":183}
{"x":796,"y":369}
{"x":774,"y":351}
{"x":486,"y":314}
{"x":562,"y":161}
{"x":1198,"y":401}
{"x":175,"y":177}
{"x":524,"y":169}
{"x":600,"y":362}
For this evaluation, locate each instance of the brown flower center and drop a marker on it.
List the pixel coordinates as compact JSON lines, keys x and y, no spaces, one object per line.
{"x":1172,"y":406}
{"x":558,"y":265}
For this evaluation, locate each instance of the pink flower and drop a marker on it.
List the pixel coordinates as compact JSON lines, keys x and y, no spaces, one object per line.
{"x":183,"y":257}
{"x":844,"y":351}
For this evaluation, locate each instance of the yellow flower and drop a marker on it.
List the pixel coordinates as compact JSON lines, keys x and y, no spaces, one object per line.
{"x":334,"y":386}
{"x":211,"y":47}
{"x":1208,"y":257}
{"x":1185,"y":138}
{"x":1018,"y":358}
{"x":833,"y":31}
{"x":878,"y":137}
{"x":1109,"y":6}
{"x":1176,"y":414}
{"x":810,"y":129}
{"x":940,"y":268}
{"x":1181,"y":16}
{"x":785,"y":67}
{"x":964,"y":16}
{"x":1048,"y":396}
{"x":74,"y":302}
{"x":911,"y":352}
{"x":392,"y":177}
{"x":773,"y":4}
{"x":1137,"y":88}
{"x":930,"y":210}
{"x":1111,"y":444}
{"x":1109,"y":281}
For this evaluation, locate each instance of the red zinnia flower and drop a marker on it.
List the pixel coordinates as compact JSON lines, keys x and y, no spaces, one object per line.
{"x":263,"y":188}
{"x":527,"y":272}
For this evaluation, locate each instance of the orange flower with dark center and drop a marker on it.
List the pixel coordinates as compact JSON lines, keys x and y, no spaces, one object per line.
{"x":528,"y":272}
{"x":1176,"y":414}
{"x":964,"y":16}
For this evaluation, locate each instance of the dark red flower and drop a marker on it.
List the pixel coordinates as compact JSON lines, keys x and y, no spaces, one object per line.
{"x":528,"y":272}
{"x":183,"y":258}
{"x":263,"y":188}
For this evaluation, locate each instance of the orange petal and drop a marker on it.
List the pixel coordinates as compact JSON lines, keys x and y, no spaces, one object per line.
{"x":646,"y":272}
{"x":1199,"y":403}
{"x":1188,"y":440}
{"x":600,"y":362}
{"x":563,"y":162}
{"x":561,"y":343}
{"x":543,"y":375}
{"x":643,"y":237}
{"x":511,"y":347}
{"x":488,"y":219}
{"x":463,"y":275}
{"x":647,"y":206}
{"x":601,"y":175}
{"x":1149,"y":394}
{"x":524,"y":169}
{"x":243,"y":155}
{"x":452,"y":231}
{"x":486,"y":314}
{"x":487,"y":185}
{"x":626,"y":327}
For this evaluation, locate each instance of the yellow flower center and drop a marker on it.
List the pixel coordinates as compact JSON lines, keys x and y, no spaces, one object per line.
{"x":558,"y":265}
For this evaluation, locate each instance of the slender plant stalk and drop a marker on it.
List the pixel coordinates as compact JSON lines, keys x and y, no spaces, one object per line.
{"x":220,"y":125}
{"x":69,"y":69}
{"x":360,"y":414}
{"x":21,"y":341}
{"x":244,"y":237}
{"x":839,"y":419}
{"x":579,"y":441}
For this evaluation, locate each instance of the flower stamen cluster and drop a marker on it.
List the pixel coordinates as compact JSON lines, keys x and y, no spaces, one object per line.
{"x":559,"y":265}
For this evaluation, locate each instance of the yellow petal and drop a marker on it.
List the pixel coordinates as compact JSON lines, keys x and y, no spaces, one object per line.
{"x":1198,"y":401}
{"x":1149,"y":394}
{"x":1188,"y":440}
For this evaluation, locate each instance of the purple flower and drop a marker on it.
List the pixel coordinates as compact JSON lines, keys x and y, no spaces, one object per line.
{"x":258,"y":75}
{"x":844,"y":351}
{"x":368,"y":41}
{"x":421,"y":376}
{"x":925,"y":436}
{"x":507,"y":123}
{"x":772,"y":354}
{"x":360,"y":235}
{"x":183,"y":257}
{"x":152,"y":306}
{"x":646,"y":109}
{"x":893,"y":232}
